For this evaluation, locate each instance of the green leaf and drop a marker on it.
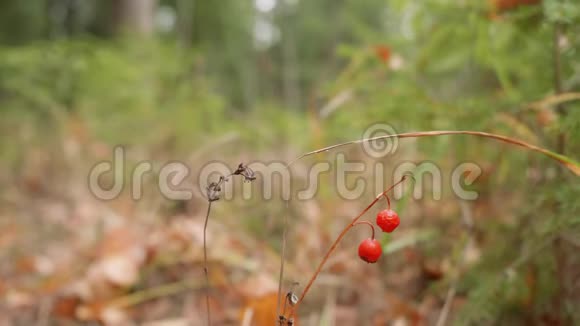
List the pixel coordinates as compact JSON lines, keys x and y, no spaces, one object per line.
{"x":559,"y":11}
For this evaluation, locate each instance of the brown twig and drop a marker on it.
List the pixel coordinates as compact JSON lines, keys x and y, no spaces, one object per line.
{"x":282,"y":258}
{"x":205,"y":270}
{"x":336,"y":242}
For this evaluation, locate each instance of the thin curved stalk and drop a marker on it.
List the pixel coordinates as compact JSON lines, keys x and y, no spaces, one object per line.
{"x":337,"y":241}
{"x":563,"y":160}
{"x":205,"y":269}
{"x":282,"y":260}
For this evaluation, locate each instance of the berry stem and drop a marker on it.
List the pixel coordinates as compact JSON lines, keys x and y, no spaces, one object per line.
{"x":369,"y":224}
{"x":337,"y":241}
{"x":388,"y":200}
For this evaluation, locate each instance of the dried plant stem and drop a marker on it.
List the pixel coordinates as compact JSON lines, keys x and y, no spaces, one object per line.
{"x":205,"y":269}
{"x":564,"y":160}
{"x":336,"y":242}
{"x":213,"y":191}
{"x":282,"y":259}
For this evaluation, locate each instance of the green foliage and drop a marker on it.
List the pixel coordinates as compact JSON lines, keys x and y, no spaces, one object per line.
{"x":21,"y":21}
{"x":121,"y":90}
{"x":453,"y":65}
{"x":562,"y":11}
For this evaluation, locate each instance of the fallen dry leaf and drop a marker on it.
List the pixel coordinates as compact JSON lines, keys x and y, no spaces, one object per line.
{"x":260,"y":311}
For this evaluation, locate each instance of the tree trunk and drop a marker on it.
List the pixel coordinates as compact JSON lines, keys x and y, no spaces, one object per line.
{"x":135,"y":16}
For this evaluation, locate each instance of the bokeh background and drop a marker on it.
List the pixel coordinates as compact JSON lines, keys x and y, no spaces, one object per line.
{"x":266,"y":80}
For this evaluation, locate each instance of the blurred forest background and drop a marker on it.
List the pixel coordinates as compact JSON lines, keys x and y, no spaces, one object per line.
{"x":262,"y":80}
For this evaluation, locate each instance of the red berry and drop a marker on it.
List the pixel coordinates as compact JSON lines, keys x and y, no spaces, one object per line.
{"x":388,"y":220}
{"x":383,"y":53}
{"x":370,"y":250}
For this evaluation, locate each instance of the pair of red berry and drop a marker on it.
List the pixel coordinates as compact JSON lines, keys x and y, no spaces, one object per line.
{"x":370,"y":249}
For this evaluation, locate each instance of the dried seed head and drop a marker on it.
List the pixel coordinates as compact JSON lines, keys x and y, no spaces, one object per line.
{"x":292,"y":298}
{"x":213,"y":191}
{"x":246,"y":172}
{"x":281,"y":319}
